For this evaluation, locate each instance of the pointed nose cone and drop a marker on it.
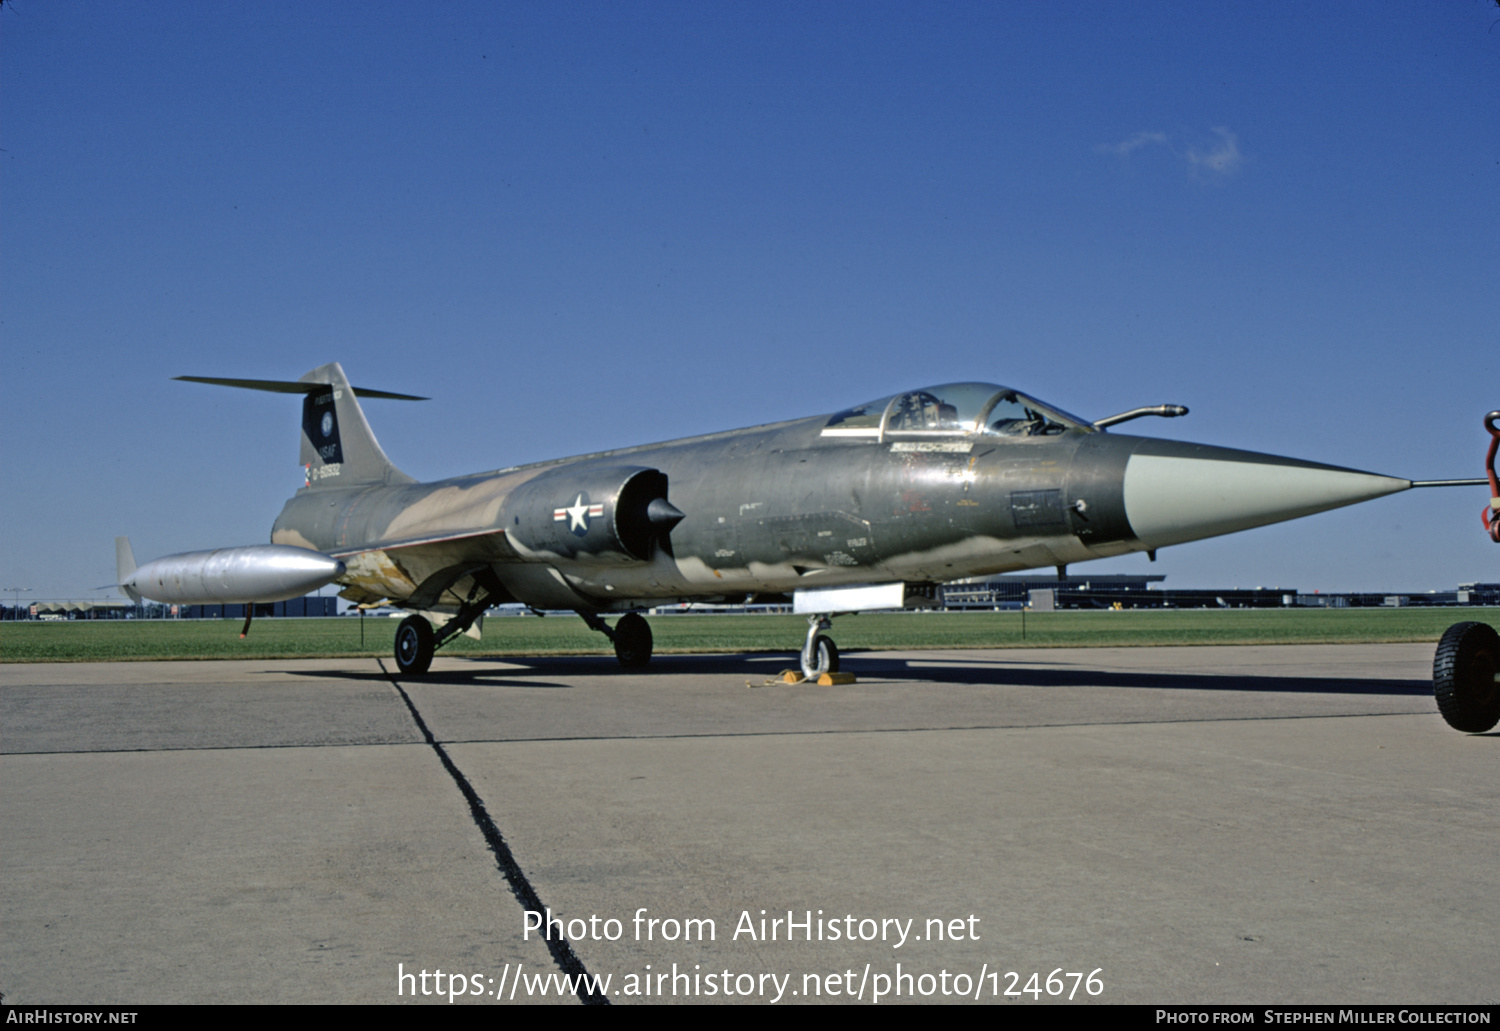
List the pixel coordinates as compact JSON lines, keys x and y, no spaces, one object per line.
{"x":1176,"y":492}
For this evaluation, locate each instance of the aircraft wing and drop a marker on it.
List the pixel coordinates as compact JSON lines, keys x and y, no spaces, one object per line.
{"x":426,"y":573}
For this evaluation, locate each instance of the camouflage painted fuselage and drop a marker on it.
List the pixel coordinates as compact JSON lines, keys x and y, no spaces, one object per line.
{"x":769,"y":509}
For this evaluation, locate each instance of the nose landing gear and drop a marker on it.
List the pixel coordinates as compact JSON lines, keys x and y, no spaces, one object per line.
{"x":819,"y":654}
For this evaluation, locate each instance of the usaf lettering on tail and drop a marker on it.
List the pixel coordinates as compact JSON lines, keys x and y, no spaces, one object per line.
{"x":867,"y":508}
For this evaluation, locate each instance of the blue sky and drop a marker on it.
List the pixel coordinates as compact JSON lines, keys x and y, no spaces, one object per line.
{"x":583,"y":225}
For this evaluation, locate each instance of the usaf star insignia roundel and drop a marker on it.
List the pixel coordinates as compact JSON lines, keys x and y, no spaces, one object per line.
{"x":578,"y":514}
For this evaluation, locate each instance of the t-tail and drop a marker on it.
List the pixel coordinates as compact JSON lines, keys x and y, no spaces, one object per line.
{"x":338,"y":447}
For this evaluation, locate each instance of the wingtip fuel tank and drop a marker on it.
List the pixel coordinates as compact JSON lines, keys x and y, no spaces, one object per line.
{"x":254,"y":573}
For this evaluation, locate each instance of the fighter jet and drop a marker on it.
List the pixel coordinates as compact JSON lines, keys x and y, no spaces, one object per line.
{"x":867,"y":508}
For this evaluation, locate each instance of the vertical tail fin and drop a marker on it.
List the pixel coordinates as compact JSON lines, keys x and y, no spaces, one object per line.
{"x":338,"y":447}
{"x":125,"y":568}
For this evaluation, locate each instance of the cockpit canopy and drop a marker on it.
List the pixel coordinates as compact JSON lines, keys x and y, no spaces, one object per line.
{"x":954,"y":409}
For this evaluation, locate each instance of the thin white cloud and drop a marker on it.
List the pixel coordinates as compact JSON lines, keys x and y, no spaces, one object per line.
{"x":1135,"y":142}
{"x":1220,"y":158}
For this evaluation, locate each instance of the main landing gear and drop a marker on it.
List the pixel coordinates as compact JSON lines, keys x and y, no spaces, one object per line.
{"x":416,"y":640}
{"x":631,"y":636}
{"x":415,"y":644}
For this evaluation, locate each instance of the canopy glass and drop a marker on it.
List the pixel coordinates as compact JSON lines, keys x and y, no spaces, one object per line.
{"x":952,"y":410}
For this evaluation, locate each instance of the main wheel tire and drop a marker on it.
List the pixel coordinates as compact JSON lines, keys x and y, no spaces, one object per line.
{"x":825,"y":658}
{"x":633,"y":641}
{"x":415,"y":643}
{"x":1463,"y":677}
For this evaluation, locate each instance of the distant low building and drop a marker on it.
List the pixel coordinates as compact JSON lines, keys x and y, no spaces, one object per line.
{"x":1123,"y":591}
{"x":310,"y":605}
{"x":1015,"y":590}
{"x":1478,"y":594}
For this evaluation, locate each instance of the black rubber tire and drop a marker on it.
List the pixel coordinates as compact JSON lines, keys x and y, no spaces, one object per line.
{"x":415,"y":643}
{"x":1463,"y":677}
{"x":633,"y":641}
{"x":825,"y":658}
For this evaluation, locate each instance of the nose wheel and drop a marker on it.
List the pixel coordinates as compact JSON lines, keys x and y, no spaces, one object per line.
{"x":819,"y":654}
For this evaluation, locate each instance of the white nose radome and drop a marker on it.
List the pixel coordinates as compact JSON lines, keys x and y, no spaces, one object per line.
{"x":1207,"y":491}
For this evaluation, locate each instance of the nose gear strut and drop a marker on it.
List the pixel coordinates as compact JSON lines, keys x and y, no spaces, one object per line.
{"x":819,"y":654}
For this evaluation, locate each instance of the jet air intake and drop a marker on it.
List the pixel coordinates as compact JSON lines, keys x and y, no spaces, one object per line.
{"x":603,"y":514}
{"x":255,"y":573}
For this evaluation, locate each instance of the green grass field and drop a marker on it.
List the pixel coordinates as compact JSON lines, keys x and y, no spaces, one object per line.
{"x":116,"y":640}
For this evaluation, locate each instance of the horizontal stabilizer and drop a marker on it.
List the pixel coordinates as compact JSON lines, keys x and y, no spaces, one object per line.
{"x":281,"y":386}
